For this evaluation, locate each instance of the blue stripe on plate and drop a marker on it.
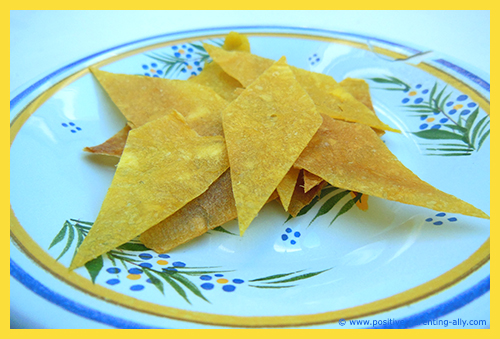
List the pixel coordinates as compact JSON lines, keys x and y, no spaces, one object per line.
{"x":444,"y":308}
{"x":465,"y":73}
{"x":430,"y":314}
{"x":68,"y":304}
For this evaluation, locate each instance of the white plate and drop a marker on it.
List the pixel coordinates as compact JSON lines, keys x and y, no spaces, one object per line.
{"x":303,"y":272}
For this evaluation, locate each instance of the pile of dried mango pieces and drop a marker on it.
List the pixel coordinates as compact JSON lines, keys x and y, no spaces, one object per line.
{"x":247,"y":130}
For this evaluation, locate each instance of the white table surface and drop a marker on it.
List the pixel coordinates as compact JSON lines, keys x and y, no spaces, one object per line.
{"x":42,"y":41}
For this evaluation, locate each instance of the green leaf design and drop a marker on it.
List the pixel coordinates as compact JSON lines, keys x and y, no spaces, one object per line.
{"x":94,"y":267}
{"x":327,"y":190}
{"x":198,"y":273}
{"x":393,"y":81}
{"x":433,"y":92}
{"x":456,"y":128}
{"x":174,"y":284}
{"x":437,"y":134}
{"x":60,"y":236}
{"x":347,"y":206}
{"x":308,"y":207}
{"x":446,"y":149}
{"x":329,"y":204}
{"x":275,"y":281}
{"x":483,"y":138}
{"x":124,"y":257}
{"x":422,"y":110}
{"x":69,"y":242}
{"x":324,"y":192}
{"x":448,"y":154}
{"x":437,"y":101}
{"x":192,"y":287}
{"x":479,"y":127}
{"x":154,"y":280}
{"x":198,"y":47}
{"x":298,"y":277}
{"x":81,"y":236}
{"x":222,"y":230}
{"x":110,"y":257}
{"x":88,"y":223}
{"x":136,"y":247}
{"x":471,"y":119}
{"x":271,"y":286}
{"x":275,"y":276}
{"x":441,"y":105}
{"x":304,"y":209}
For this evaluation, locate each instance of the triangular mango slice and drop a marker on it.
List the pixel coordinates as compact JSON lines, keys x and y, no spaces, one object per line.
{"x":213,"y":208}
{"x":352,"y":157}
{"x":164,"y":166}
{"x":213,"y":76}
{"x":327,"y":94}
{"x":287,"y":185}
{"x":300,"y":198}
{"x":265,"y":132}
{"x":310,"y":180}
{"x":113,"y":146}
{"x":142,"y":99}
{"x":359,"y":89}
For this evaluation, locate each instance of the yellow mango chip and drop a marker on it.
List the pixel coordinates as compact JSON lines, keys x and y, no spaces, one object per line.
{"x":213,"y":208}
{"x":213,"y":76}
{"x":287,"y":186}
{"x":327,"y":94}
{"x":360,"y":90}
{"x":300,"y":198}
{"x":243,"y":66}
{"x":142,"y":99}
{"x":164,"y":166}
{"x":352,"y":157}
{"x":310,"y":180}
{"x":265,"y":133}
{"x":235,"y":41}
{"x":113,"y":146}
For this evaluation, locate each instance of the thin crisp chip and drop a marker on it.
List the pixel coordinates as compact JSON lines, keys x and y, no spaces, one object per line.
{"x":113,"y":146}
{"x":301,"y":199}
{"x":265,"y":132}
{"x":310,"y":180}
{"x":330,"y":98}
{"x":142,"y":99}
{"x":287,"y":186}
{"x":352,"y":157}
{"x":164,"y":166}
{"x":213,"y":208}
{"x":213,"y":76}
{"x":359,"y":89}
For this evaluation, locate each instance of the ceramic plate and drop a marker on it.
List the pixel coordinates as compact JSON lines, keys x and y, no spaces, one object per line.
{"x":391,"y":264}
